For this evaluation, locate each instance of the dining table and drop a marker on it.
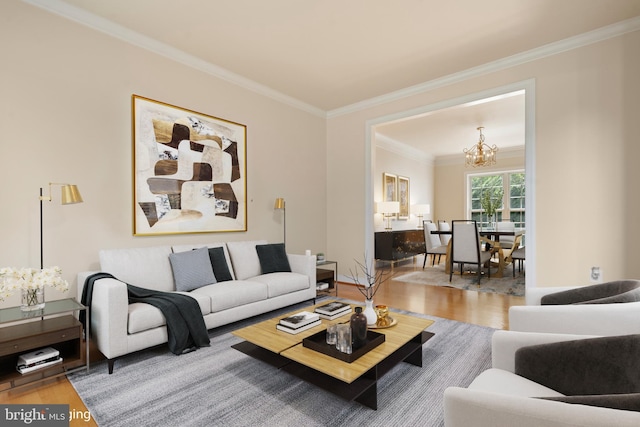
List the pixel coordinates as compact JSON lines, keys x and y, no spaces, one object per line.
{"x":487,"y":233}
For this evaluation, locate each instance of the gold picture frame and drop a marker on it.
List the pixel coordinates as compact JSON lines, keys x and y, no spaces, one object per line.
{"x":389,"y":187}
{"x":403,"y":197}
{"x":189,"y":171}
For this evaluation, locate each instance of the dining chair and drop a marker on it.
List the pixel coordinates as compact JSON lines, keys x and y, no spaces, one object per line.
{"x":432,"y":244}
{"x":519,"y":256}
{"x":444,"y":226}
{"x":507,"y":241}
{"x":466,"y":248}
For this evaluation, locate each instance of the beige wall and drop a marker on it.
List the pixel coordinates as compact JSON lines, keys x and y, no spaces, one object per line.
{"x":420,"y":174}
{"x":66,"y":117}
{"x":586,"y":101}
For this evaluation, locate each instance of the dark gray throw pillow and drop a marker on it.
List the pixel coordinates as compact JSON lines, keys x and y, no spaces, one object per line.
{"x":625,"y":402}
{"x":219,"y":265}
{"x":273,"y":258}
{"x":604,"y":365}
{"x":191,"y":269}
{"x":604,"y":293}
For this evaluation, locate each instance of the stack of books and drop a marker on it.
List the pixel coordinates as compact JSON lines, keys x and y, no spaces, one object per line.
{"x":321,"y":286}
{"x":333,"y":310}
{"x":38,"y":359}
{"x":298,"y":322}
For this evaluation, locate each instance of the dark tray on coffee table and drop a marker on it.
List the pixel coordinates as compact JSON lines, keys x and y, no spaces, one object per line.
{"x":318,"y":342}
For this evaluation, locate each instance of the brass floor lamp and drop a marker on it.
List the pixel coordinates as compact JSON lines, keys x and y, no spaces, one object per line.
{"x":70,"y":195}
{"x":277,"y":206}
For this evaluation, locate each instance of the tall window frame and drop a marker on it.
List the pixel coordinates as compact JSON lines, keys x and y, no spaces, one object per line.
{"x":512,"y":208}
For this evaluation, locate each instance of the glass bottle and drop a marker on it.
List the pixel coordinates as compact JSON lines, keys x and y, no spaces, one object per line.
{"x":358,"y":328}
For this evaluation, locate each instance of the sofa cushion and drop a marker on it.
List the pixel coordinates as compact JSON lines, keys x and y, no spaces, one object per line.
{"x":192,"y":269}
{"x":144,"y":267}
{"x":604,"y":365}
{"x":282,"y":283}
{"x":244,"y":258}
{"x":273,"y":258}
{"x":232,"y":294}
{"x":219,"y":265}
{"x":604,"y":293}
{"x":142,"y":317}
{"x":505,"y":382}
{"x":625,"y":402}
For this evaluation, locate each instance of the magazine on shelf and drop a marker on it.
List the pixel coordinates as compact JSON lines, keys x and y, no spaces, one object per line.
{"x":299,"y":320}
{"x":332,"y":308}
{"x":321,"y":286}
{"x":23,"y":369}
{"x":348,"y":310}
{"x":298,"y":330}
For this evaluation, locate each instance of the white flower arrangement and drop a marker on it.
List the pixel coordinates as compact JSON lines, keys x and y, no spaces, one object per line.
{"x":14,"y":279}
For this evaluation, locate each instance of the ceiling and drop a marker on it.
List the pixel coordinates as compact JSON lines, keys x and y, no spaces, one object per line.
{"x":329,"y":54}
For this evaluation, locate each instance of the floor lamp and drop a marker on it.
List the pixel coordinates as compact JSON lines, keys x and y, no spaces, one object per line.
{"x":277,"y":206}
{"x":70,"y":195}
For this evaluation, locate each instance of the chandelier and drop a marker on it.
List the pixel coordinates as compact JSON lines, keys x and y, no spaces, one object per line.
{"x":480,"y":154}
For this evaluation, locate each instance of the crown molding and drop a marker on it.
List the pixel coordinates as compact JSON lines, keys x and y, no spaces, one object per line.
{"x":402,"y":149}
{"x":585,"y":39}
{"x":110,"y":28}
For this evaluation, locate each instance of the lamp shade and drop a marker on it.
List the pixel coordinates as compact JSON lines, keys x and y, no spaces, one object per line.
{"x":421,"y":209}
{"x":70,"y":194}
{"x":279,"y":204}
{"x":388,"y":207}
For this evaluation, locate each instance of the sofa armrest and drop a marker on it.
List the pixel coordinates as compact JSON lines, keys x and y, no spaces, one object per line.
{"x":109,"y":316}
{"x":504,"y":345}
{"x":467,"y":407}
{"x":593,"y":319}
{"x":304,"y":264}
{"x":534,"y":295}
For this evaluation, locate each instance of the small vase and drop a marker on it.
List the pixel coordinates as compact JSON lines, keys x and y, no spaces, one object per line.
{"x":358,"y":323}
{"x":32,"y":299}
{"x":372,"y":317}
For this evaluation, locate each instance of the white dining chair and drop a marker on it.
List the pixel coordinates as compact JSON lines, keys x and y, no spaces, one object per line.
{"x":432,"y":244}
{"x":466,"y":248}
{"x":444,"y":226}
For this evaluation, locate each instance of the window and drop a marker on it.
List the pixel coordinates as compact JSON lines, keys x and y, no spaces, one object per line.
{"x":503,"y":192}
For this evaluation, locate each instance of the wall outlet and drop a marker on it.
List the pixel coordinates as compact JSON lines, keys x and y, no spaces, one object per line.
{"x":595,"y":276}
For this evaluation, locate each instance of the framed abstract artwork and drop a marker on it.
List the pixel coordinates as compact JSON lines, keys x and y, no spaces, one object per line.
{"x":189,"y":171}
{"x":389,"y":187}
{"x":403,"y":197}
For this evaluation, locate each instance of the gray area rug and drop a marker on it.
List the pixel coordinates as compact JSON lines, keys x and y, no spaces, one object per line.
{"x":219,"y":386}
{"x":436,"y":276}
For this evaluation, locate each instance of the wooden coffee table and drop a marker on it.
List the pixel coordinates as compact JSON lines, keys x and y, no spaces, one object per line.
{"x":352,"y":381}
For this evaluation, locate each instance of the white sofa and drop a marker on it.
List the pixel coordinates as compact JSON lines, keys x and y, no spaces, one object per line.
{"x":119,"y":328}
{"x":498,"y":397}
{"x":596,"y":319}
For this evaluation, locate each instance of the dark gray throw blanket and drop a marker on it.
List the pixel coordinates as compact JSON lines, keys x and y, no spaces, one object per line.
{"x":185,"y":326}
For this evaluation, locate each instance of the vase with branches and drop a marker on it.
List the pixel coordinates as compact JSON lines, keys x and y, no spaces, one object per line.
{"x":368,"y":280}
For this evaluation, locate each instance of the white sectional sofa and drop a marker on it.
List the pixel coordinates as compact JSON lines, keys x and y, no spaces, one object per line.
{"x":119,"y":328}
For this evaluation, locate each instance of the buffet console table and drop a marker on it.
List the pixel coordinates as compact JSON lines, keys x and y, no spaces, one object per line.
{"x":399,"y":244}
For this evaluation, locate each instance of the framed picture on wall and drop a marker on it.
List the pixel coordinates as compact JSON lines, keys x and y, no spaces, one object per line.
{"x":389,"y":187}
{"x":403,"y":197}
{"x":189,"y":171}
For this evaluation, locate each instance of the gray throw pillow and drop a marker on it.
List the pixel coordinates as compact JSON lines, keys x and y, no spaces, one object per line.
{"x":191,"y":269}
{"x":273,"y":258}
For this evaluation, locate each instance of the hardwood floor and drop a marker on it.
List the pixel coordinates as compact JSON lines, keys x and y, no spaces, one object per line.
{"x":484,"y":309}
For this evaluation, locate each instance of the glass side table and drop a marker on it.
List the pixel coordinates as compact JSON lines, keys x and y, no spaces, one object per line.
{"x":327,"y":276}
{"x":53,"y":326}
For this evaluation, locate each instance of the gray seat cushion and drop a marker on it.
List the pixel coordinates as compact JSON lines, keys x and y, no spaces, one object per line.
{"x":605,"y":365}
{"x":604,"y":293}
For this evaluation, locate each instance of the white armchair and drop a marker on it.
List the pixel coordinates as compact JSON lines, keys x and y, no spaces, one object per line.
{"x":498,"y":397}
{"x":597,"y":319}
